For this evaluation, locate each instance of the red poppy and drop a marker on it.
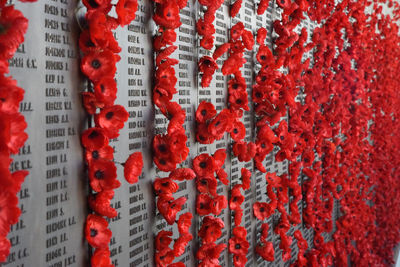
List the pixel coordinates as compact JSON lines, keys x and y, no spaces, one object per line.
{"x":90,"y":103}
{"x":262,"y":7}
{"x":96,"y":231}
{"x":5,"y":246}
{"x":181,"y":244}
{"x":169,"y":207}
{"x":163,"y":240}
{"x":164,"y":257}
{"x":266,"y":251}
{"x":177,"y":264}
{"x":235,"y":8}
{"x":239,"y":260}
{"x":9,"y":211}
{"x":101,"y":5}
{"x":182,"y":174}
{"x":101,"y":258}
{"x":94,"y":138}
{"x":246,"y":177}
{"x":236,"y":31}
{"x":205,"y":111}
{"x":222,"y":49}
{"x":222,"y":123}
{"x":165,"y":186}
{"x":203,"y":204}
{"x":13,"y":25}
{"x":96,"y":65}
{"x":103,"y":175}
{"x":211,"y":229}
{"x":233,"y":63}
{"x":202,"y":134}
{"x":248,"y":39}
{"x":238,"y":83}
{"x":126,"y":11}
{"x":10,"y":94}
{"x":106,"y":152}
{"x":100,"y":203}
{"x":264,"y":55}
{"x":167,"y":15}
{"x":207,"y":185}
{"x":236,"y":197}
{"x":262,"y":210}
{"x":163,"y":55}
{"x":17,"y":178}
{"x":204,"y":165}
{"x":238,"y":246}
{"x":222,"y":176}
{"x":133,"y":167}
{"x":209,"y":252}
{"x":184,"y":223}
{"x":244,"y":151}
{"x":207,"y":42}
{"x":264,"y":232}
{"x":105,"y":91}
{"x":204,"y":28}
{"x":218,"y":204}
{"x":112,"y":119}
{"x":12,"y":131}
{"x":237,"y":216}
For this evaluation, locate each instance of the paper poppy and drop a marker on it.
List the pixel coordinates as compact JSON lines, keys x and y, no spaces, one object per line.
{"x":262,"y":210}
{"x":112,"y":119}
{"x":219,"y":157}
{"x":236,"y":197}
{"x":133,"y":167}
{"x":238,"y":246}
{"x":244,"y":151}
{"x":126,"y":11}
{"x":235,"y":8}
{"x":165,"y":186}
{"x":222,"y":49}
{"x":9,"y":211}
{"x":94,"y":138}
{"x":184,"y":223}
{"x":182,"y":174}
{"x":96,"y":231}
{"x":222,"y":176}
{"x":105,"y":91}
{"x":203,"y":204}
{"x":106,"y":152}
{"x":167,"y":15}
{"x":211,"y":229}
{"x":163,"y":239}
{"x":169,"y":207}
{"x":10,"y":94}
{"x":222,"y":123}
{"x":100,"y":203}
{"x":218,"y":204}
{"x":266,"y":251}
{"x":96,"y":65}
{"x":181,"y":244}
{"x":207,"y":185}
{"x":103,"y":175}
{"x":101,"y":258}
{"x":246,"y":178}
{"x":204,"y":165}
{"x":205,"y":111}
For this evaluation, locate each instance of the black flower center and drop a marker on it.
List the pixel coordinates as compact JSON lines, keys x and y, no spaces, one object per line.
{"x":203,"y":112}
{"x":95,"y":154}
{"x":93,"y":3}
{"x":93,"y":232}
{"x":163,"y":162}
{"x":99,"y":174}
{"x":235,"y":86}
{"x":93,"y":135}
{"x":263,"y":57}
{"x":203,"y":165}
{"x":258,"y":95}
{"x":235,"y":131}
{"x":262,"y":209}
{"x":203,"y":182}
{"x":238,"y":101}
{"x":162,"y":148}
{"x":237,"y":246}
{"x":96,"y":64}
{"x":109,"y":115}
{"x":282,"y":137}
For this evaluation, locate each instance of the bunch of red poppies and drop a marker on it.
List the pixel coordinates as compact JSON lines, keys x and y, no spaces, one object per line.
{"x":13,"y":26}
{"x":204,"y":26}
{"x":100,"y":55}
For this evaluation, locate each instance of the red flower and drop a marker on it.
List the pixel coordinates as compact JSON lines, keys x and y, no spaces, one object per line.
{"x":94,"y":138}
{"x":184,"y":223}
{"x":105,"y":91}
{"x":219,"y":203}
{"x":126,"y":11}
{"x":207,"y":42}
{"x":165,"y":186}
{"x":264,"y":55}
{"x":204,"y":28}
{"x":210,"y":251}
{"x":96,"y":65}
{"x":238,"y":246}
{"x":202,"y":134}
{"x":169,"y":207}
{"x":236,"y":31}
{"x":222,"y":123}
{"x":112,"y":119}
{"x":181,"y":243}
{"x":222,"y":49}
{"x":205,"y":111}
{"x":106,"y":152}
{"x":203,"y":204}
{"x":222,"y":176}
{"x":261,"y":32}
{"x":103,"y":175}
{"x":233,"y":63}
{"x":244,"y":151}
{"x":236,"y":197}
{"x":90,"y":103}
{"x":238,"y":83}
{"x":207,"y":67}
{"x":246,"y":177}
{"x":101,"y":258}
{"x":96,"y":231}
{"x":164,"y":257}
{"x":10,"y":94}
{"x":219,"y":157}
{"x":163,"y":240}
{"x":235,"y":8}
{"x":101,"y":5}
{"x":163,"y":55}
{"x":167,"y":15}
{"x":266,"y":251}
{"x":248,"y":39}
{"x":13,"y":27}
{"x":238,"y":214}
{"x":100,"y":203}
{"x":262,"y":210}
{"x":211,"y":229}
{"x":207,"y":185}
{"x":182,"y":174}
{"x":12,"y":131}
{"x":5,"y":246}
{"x":204,"y":165}
{"x":9,"y":211}
{"x":239,"y":260}
{"x":264,"y":232}
{"x":133,"y":167}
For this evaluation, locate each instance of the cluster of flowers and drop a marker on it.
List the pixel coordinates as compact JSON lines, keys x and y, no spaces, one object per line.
{"x":204,"y":26}
{"x":169,"y":149}
{"x":13,"y":26}
{"x":100,"y":55}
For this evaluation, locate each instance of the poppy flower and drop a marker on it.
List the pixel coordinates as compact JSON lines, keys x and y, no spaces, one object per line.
{"x":233,"y":63}
{"x":211,"y":229}
{"x":264,"y":55}
{"x":166,"y":76}
{"x":222,"y":49}
{"x":202,"y":134}
{"x":239,"y":260}
{"x":165,"y":186}
{"x":184,"y":223}
{"x":262,"y":210}
{"x":164,"y":257}
{"x":112,"y":119}
{"x":222,"y":176}
{"x":103,"y":175}
{"x":96,"y":65}
{"x":10,"y":94}
{"x":236,"y":31}
{"x":237,"y":216}
{"x":169,"y":207}
{"x":94,"y":138}
{"x":13,"y":25}
{"x":205,"y":111}
{"x":236,"y":197}
{"x":207,"y":42}
{"x":210,"y":251}
{"x":12,"y":131}
{"x":96,"y":231}
{"x":218,"y":204}
{"x":177,"y":264}
{"x":204,"y":165}
{"x":203,"y":204}
{"x":207,"y":185}
{"x":163,"y":55}
{"x":204,"y":28}
{"x":237,"y":47}
{"x":105,"y":91}
{"x":9,"y":211}
{"x":126,"y":11}
{"x":246,"y":177}
{"x":181,"y":244}
{"x":100,"y":5}
{"x":133,"y":167}
{"x":261,"y":32}
{"x":100,"y":203}
{"x":235,"y":8}
{"x":90,"y":103}
{"x":266,"y":251}
{"x":222,"y":123}
{"x":101,"y":258}
{"x":248,"y":39}
{"x":163,"y":240}
{"x":106,"y":152}
{"x":167,"y":15}
{"x":16,"y":180}
{"x":5,"y":246}
{"x":238,"y":83}
{"x":244,"y":151}
{"x":182,"y":174}
{"x":238,"y":246}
